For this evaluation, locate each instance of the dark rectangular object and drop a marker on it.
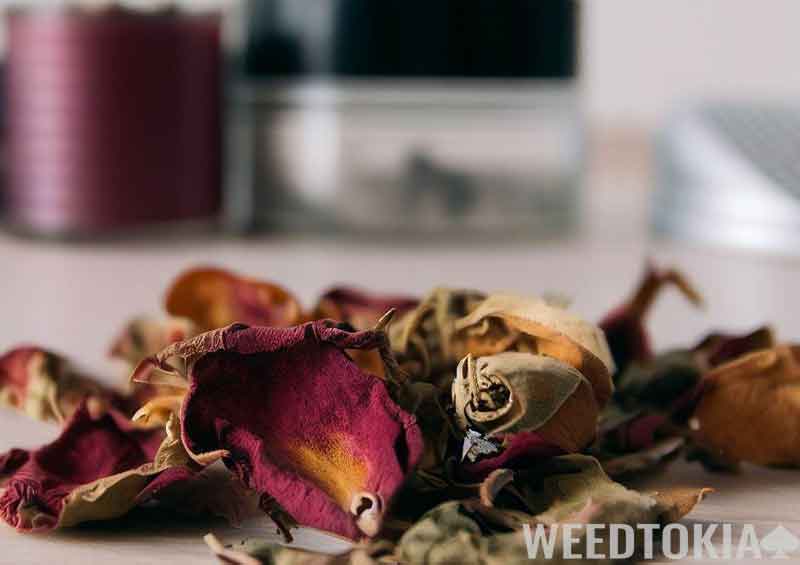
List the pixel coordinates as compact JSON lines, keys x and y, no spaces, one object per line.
{"x":412,"y":38}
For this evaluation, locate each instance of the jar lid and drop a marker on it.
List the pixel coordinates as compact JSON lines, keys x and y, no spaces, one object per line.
{"x":411,"y":38}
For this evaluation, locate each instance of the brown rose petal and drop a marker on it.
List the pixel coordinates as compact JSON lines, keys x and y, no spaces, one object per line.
{"x":750,"y":408}
{"x":214,"y":298}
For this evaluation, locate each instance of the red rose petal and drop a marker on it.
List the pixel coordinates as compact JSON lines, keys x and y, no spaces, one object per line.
{"x":300,"y":420}
{"x":87,"y":449}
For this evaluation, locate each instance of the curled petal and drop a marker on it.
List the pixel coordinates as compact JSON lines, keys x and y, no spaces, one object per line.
{"x":493,"y":484}
{"x":143,"y":338}
{"x":159,"y":409}
{"x":675,"y":503}
{"x":228,"y":555}
{"x":160,"y":369}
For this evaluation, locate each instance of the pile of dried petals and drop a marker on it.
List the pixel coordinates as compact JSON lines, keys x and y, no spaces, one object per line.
{"x":424,"y":431}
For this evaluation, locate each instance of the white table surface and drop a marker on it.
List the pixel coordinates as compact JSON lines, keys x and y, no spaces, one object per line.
{"x":74,"y":298}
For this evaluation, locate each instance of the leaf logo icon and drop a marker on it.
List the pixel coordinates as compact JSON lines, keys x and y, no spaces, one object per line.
{"x":780,"y":542}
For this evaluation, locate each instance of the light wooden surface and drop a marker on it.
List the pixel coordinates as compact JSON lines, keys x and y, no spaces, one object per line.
{"x":74,"y":298}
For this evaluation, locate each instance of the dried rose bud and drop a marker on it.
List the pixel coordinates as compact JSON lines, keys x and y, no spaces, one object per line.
{"x":518,"y":397}
{"x":214,"y":298}
{"x":298,"y":420}
{"x":423,"y":339}
{"x":360,"y":309}
{"x":506,"y":322}
{"x":97,"y":469}
{"x":45,"y":386}
{"x":624,"y":326}
{"x":750,"y":408}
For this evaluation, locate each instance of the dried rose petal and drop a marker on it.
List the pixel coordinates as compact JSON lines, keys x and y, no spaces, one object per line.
{"x":719,"y":348}
{"x":624,"y":326}
{"x":144,"y":337}
{"x":213,"y":491}
{"x":750,"y":409}
{"x":44,"y":385}
{"x":159,"y":408}
{"x":214,"y":298}
{"x":97,"y":469}
{"x":519,"y":450}
{"x":360,"y":309}
{"x":299,"y":420}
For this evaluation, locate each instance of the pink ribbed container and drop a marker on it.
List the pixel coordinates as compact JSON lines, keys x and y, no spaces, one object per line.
{"x":113,"y":119}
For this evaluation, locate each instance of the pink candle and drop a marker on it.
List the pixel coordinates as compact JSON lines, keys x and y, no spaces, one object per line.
{"x":113,"y":119}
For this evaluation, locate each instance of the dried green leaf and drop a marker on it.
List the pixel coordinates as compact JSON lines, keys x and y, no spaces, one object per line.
{"x":643,"y":460}
{"x":564,"y":490}
{"x":677,"y":502}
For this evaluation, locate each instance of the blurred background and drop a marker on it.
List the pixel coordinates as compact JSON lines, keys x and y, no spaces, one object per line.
{"x":526,"y":145}
{"x":472,"y":119}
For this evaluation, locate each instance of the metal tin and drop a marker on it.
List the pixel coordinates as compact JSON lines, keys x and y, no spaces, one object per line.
{"x":461,"y":157}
